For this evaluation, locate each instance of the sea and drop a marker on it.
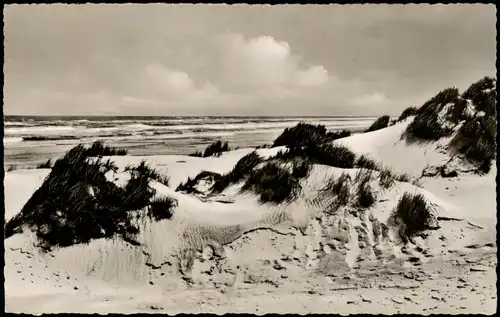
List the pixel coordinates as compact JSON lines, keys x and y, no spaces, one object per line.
{"x":30,"y":140}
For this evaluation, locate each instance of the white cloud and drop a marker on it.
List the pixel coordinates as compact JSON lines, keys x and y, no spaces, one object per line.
{"x":167,"y":80}
{"x":264,"y":63}
{"x":373,"y":99}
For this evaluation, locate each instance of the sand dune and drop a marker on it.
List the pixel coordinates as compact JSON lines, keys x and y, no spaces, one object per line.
{"x":229,"y":252}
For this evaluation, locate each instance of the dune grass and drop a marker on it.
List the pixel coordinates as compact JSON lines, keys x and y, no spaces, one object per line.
{"x":303,"y":134}
{"x":188,"y":187}
{"x":335,"y":193}
{"x":273,"y":183}
{"x":408,"y":112}
{"x":214,"y":149}
{"x":364,"y":161}
{"x":365,"y":196}
{"x":412,"y":216}
{"x":76,"y":203}
{"x":381,"y":123}
{"x":47,"y":164}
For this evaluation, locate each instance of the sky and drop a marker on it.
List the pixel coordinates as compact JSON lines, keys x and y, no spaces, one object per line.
{"x":284,"y":60}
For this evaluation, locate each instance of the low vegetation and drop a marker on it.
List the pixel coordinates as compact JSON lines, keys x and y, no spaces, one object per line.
{"x":273,"y":183}
{"x":324,"y":153}
{"x":381,"y":123}
{"x":214,"y":149}
{"x":98,"y":149}
{"x":427,"y":125}
{"x":365,"y":196}
{"x":242,"y":169}
{"x":47,"y":164}
{"x":162,"y":208}
{"x":364,"y":161}
{"x":386,"y":178}
{"x":188,"y":187}
{"x":412,"y":216}
{"x":11,"y":168}
{"x":476,"y":138}
{"x":77,"y":203}
{"x":144,"y":170}
{"x":408,"y":112}
{"x":335,"y":194}
{"x":304,"y":134}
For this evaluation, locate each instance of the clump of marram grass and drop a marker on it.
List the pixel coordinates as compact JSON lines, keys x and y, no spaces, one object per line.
{"x":11,"y":168}
{"x":365,"y":162}
{"x":98,"y":149}
{"x":427,"y":125}
{"x":335,"y":193}
{"x":162,"y":208}
{"x":483,"y":95}
{"x":47,"y":164}
{"x":412,"y":216}
{"x":325,"y":153}
{"x":408,"y":112}
{"x":381,"y":123}
{"x":77,"y":203}
{"x":216,"y":148}
{"x":304,"y":133}
{"x":301,"y":169}
{"x":148,"y":172}
{"x":365,"y":197}
{"x":386,"y":178}
{"x":196,"y":154}
{"x":476,"y":139}
{"x":242,"y":168}
{"x":273,"y":183}
{"x":189,"y":186}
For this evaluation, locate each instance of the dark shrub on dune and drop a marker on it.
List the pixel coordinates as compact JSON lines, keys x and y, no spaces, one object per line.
{"x":196,"y":154}
{"x":365,"y":197}
{"x":448,"y":95}
{"x":146,"y":171}
{"x":304,"y":134}
{"x":334,"y":135}
{"x":216,"y":149}
{"x":162,"y":208}
{"x":324,"y":153}
{"x":242,"y":168}
{"x":335,"y":193}
{"x":476,"y":139}
{"x":77,"y":203}
{"x":47,"y":164}
{"x":301,"y":168}
{"x":11,"y":168}
{"x":408,"y":112}
{"x":365,"y":162}
{"x":381,"y":123}
{"x":189,"y":186}
{"x":483,"y":95}
{"x":273,"y":183}
{"x":98,"y":149}
{"x":412,"y":216}
{"x":426,"y":125}
{"x":386,"y":178}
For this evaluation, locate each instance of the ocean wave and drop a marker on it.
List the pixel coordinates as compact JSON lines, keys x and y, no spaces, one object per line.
{"x":165,"y":128}
{"x":12,"y":140}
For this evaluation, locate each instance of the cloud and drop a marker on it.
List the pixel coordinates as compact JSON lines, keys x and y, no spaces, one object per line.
{"x":373,"y":99}
{"x":263,"y":63}
{"x":240,"y":60}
